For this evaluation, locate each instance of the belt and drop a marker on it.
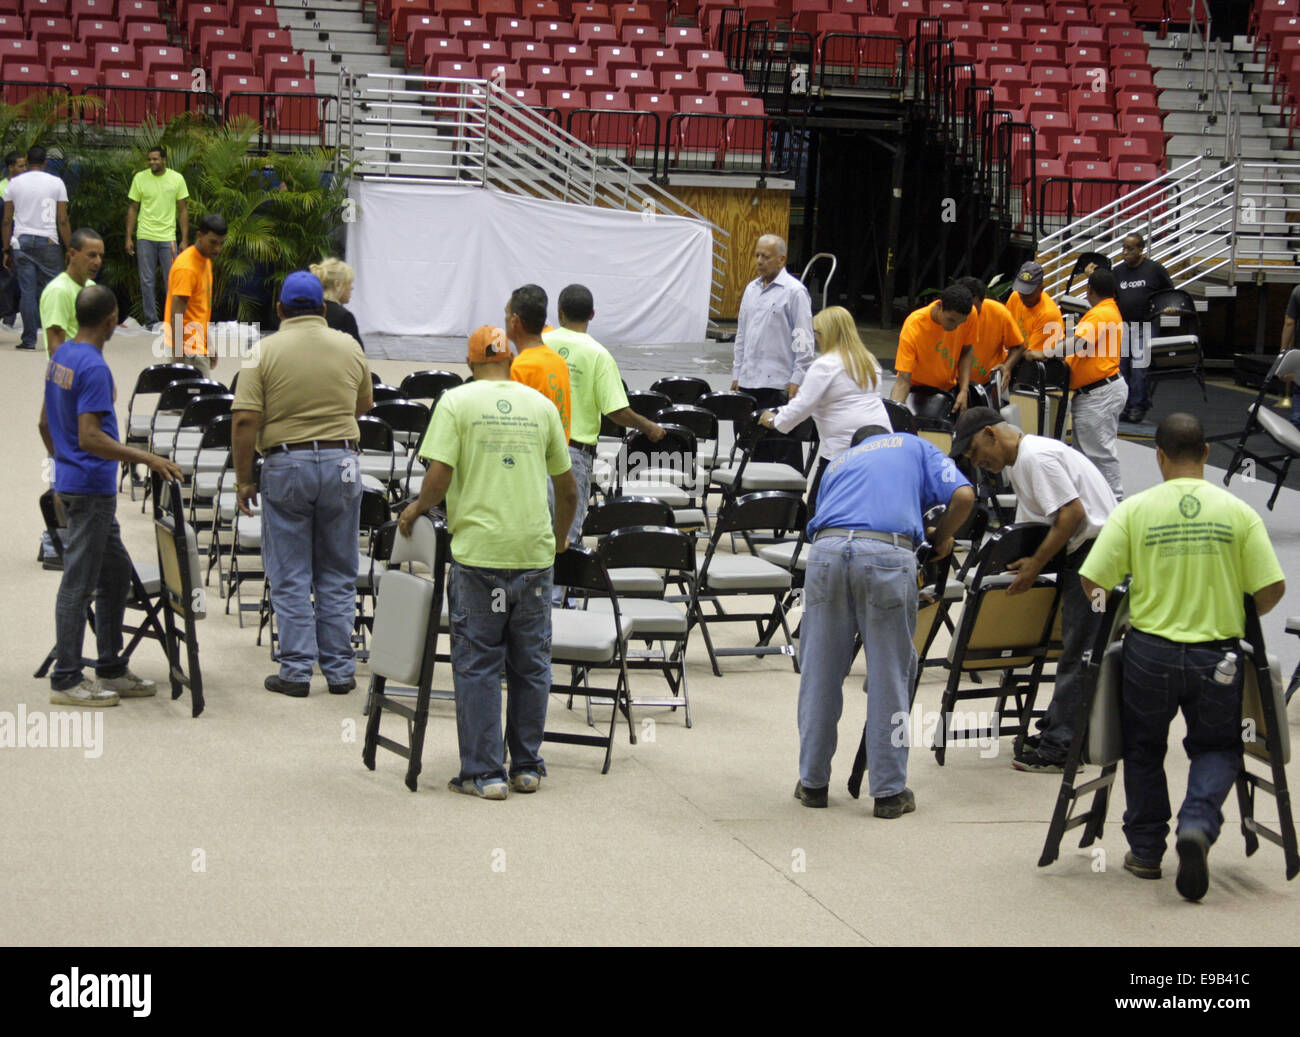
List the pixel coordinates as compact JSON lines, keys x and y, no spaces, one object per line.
{"x":318,"y":444}
{"x":587,"y":448}
{"x":897,"y":539}
{"x":1097,"y":384}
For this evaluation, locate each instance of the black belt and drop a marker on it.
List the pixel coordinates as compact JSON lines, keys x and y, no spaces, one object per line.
{"x":587,"y":448}
{"x":1097,"y":384}
{"x":897,"y":539}
{"x":318,"y":444}
{"x":1229,"y":644}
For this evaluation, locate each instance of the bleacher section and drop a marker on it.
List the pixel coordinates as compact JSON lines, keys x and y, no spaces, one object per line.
{"x":1275,"y":26}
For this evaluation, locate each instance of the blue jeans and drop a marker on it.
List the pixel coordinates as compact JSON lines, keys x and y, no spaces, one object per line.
{"x":500,"y":617}
{"x":1136,"y":352}
{"x":582,"y":476}
{"x":866,"y":587}
{"x":149,"y":255}
{"x":1159,"y":677}
{"x":37,"y":262}
{"x":1080,"y":624}
{"x":95,"y":565}
{"x":311,"y":518}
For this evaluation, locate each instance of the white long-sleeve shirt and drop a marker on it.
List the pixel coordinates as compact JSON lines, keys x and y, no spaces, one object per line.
{"x":774,"y":336}
{"x":837,"y":404}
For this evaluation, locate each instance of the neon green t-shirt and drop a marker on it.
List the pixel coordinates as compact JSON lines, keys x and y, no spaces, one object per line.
{"x":157,"y":196}
{"x":595,"y":387}
{"x":1194,"y":550}
{"x":503,"y":440}
{"x":59,"y":307}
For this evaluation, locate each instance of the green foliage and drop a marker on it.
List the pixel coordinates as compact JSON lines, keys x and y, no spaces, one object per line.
{"x":284,"y":210}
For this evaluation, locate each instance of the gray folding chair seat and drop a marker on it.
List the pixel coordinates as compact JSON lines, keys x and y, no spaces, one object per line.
{"x":762,"y":475}
{"x":401,"y":622}
{"x":248,"y":532}
{"x":689,"y":518}
{"x":383,"y":466}
{"x":368,"y":578}
{"x":369,"y":482}
{"x":746,"y":573}
{"x":781,"y":554}
{"x":645,"y":617}
{"x":635,"y":580}
{"x":150,"y":578}
{"x":139,"y":426}
{"x":583,"y":636}
{"x":228,"y":506}
{"x":1280,"y":429}
{"x":672,"y":494}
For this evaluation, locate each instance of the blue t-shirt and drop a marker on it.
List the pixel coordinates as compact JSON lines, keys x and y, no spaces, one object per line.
{"x":885,"y":483}
{"x":78,"y":381}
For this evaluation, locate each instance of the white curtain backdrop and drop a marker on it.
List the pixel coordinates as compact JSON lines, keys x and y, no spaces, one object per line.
{"x":442,"y":260}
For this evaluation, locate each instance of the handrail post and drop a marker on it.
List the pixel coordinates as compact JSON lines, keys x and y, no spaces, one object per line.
{"x":1232,"y":234}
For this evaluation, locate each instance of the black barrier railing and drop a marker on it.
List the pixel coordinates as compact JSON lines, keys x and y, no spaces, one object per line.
{"x":936,"y":55}
{"x":283,"y":119}
{"x":134,"y":105}
{"x":15,"y":91}
{"x":1015,"y":147}
{"x":957,"y":77}
{"x":754,"y":145}
{"x":979,"y":99}
{"x":1064,"y":199}
{"x":631,"y":137}
{"x":861,"y":61}
{"x":777,"y":64}
{"x":927,"y":30}
{"x":730,"y":20}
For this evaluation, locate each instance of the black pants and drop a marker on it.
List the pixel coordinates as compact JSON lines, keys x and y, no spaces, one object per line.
{"x":774,"y":448}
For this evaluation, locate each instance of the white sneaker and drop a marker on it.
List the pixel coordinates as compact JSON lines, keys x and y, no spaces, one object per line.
{"x":87,"y":693}
{"x":128,"y":686}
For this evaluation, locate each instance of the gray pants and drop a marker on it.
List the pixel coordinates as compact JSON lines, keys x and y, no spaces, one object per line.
{"x":1096,"y":425}
{"x":149,"y":256}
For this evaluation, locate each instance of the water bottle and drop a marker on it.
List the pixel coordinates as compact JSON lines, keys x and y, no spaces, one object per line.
{"x":1226,"y":672}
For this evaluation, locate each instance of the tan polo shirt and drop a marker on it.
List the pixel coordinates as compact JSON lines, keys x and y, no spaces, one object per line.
{"x":306,"y":384}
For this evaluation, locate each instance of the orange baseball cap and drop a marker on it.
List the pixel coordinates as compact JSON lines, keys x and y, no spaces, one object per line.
{"x":488,"y":345}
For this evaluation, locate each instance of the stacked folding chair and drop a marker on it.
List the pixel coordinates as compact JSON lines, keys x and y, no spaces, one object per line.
{"x":184,"y":600}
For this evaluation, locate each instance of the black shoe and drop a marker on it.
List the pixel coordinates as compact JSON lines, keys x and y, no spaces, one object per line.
{"x":810,"y":797}
{"x":1033,"y":760}
{"x":294,"y":689}
{"x":30,"y":349}
{"x":1142,"y":869}
{"x":895,"y":806}
{"x":1193,"y":873}
{"x":344,"y":688}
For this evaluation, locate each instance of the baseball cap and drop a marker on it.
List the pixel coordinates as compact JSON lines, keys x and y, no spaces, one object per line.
{"x":488,"y":345}
{"x":1030,"y":277}
{"x":971,"y":421}
{"x":302,"y":288}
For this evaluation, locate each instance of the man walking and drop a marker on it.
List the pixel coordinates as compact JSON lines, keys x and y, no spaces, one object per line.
{"x":59,"y":300}
{"x":595,"y":390}
{"x":1137,"y":278}
{"x":1058,"y":487}
{"x":537,"y":364}
{"x":157,"y":196}
{"x":299,"y":406}
{"x":79,"y":428}
{"x":491,"y":446}
{"x":861,"y":579}
{"x":36,"y":213}
{"x":1194,"y":551}
{"x":189,"y":296}
{"x":774,"y":342}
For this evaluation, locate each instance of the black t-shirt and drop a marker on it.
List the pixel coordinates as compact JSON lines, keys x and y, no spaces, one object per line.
{"x":340,"y":319}
{"x":1136,"y":286}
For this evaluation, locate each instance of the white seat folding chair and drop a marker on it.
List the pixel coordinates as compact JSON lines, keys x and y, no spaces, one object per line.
{"x":139,"y":423}
{"x":1262,"y":419}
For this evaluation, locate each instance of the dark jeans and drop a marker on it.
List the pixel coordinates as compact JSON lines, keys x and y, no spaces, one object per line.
{"x":1159,"y":677}
{"x":37,"y":262}
{"x":1080,"y":624}
{"x":500,"y":617}
{"x":774,"y":448}
{"x":95,"y":564}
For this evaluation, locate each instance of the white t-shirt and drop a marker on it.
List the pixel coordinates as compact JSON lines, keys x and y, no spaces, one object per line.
{"x":838,"y":405}
{"x":1048,"y":475}
{"x":36,"y":195}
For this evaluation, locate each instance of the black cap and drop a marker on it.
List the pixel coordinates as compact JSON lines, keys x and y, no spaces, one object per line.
{"x":971,"y":421}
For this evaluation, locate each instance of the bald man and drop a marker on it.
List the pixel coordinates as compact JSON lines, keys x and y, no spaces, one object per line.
{"x":774,"y":340}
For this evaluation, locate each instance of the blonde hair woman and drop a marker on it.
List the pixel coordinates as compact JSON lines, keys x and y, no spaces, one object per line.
{"x":841,"y":391}
{"x":336,"y":279}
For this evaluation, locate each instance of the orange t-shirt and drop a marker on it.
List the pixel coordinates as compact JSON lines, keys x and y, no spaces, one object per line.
{"x":191,"y":276}
{"x":1101,"y":330}
{"x":930,"y":354}
{"x":998,"y":334}
{"x":545,"y":370}
{"x":1042,"y":326}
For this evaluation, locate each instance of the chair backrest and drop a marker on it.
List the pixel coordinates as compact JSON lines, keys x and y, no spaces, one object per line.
{"x":383,"y":393}
{"x":176,"y":396}
{"x":675,"y":451}
{"x":622,"y":512}
{"x":681,"y":388}
{"x":156,"y":378}
{"x":730,"y":405}
{"x":402,"y":627}
{"x":768,"y":509}
{"x":703,"y":422}
{"x":900,"y":418}
{"x":580,"y":568}
{"x":216,"y":433}
{"x":429,"y":385}
{"x":375,"y":433}
{"x":648,"y":404}
{"x":178,"y":552}
{"x":374,"y":510}
{"x":421,"y":547}
{"x":649,"y":547}
{"x":402,"y":415}
{"x":1104,"y":741}
{"x":202,"y":410}
{"x":932,"y":408}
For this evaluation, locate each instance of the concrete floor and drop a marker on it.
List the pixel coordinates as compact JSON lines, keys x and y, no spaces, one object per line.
{"x":258,"y":824}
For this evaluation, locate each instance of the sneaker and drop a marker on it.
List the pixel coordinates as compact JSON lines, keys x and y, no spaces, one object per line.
{"x":1193,"y":873}
{"x":484,"y":788}
{"x":294,"y":689}
{"x":810,"y":797}
{"x":1033,"y":760}
{"x":526,"y":781}
{"x":47,"y":555}
{"x":1032,"y":742}
{"x":30,"y":349}
{"x":87,"y":693}
{"x":129,"y":686}
{"x":344,"y":688}
{"x":895,"y":806}
{"x":1142,"y":869}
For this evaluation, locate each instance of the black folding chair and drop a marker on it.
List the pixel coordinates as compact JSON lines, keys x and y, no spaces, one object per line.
{"x":1262,"y":419}
{"x":1175,"y":343}
{"x":149,"y":382}
{"x":626,"y":513}
{"x":681,"y":388}
{"x":382,"y":393}
{"x":182,"y":595}
{"x":1040,"y":392}
{"x":429,"y":385}
{"x":648,"y":404}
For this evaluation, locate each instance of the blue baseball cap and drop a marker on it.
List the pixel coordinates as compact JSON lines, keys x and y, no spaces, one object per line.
{"x":302,"y":289}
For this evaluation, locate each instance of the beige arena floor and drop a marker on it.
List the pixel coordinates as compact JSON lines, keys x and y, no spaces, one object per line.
{"x":258,"y":824}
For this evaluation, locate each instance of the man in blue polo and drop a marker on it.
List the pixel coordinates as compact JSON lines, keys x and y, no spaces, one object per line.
{"x":861,"y":578}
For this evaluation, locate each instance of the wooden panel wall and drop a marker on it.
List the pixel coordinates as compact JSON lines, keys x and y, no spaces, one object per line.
{"x":746,"y":215}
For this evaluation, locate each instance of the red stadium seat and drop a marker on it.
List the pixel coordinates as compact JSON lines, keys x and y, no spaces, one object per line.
{"x":545,"y":77}
{"x":1149,"y":11}
{"x":461,"y":69}
{"x":200,"y":16}
{"x":505,"y":74}
{"x":598,"y":33}
{"x":745,"y":106}
{"x":162,"y":59}
{"x":706,"y":59}
{"x":593,"y":77}
{"x":565,"y":101}
{"x":1085,"y":101}
{"x":723,"y":85}
{"x":254,"y":17}
{"x":661,"y":59}
{"x":541,"y":10}
{"x":999,"y":52}
{"x":126,"y":99}
{"x":684,"y":37}
{"x":24,"y":79}
{"x":467,"y":29}
{"x":1027,"y":12}
{"x":1113,"y":13}
{"x":216,"y":37}
{"x":1033,"y":55}
{"x":554,"y":32}
{"x":1130,"y":57}
{"x":270,"y":41}
{"x":634,"y":79}
{"x":1035,"y":99}
{"x":617,"y":58}
{"x":95,"y":10}
{"x":1133,"y":79}
{"x":437,"y":51}
{"x":592,"y":13}
{"x":967,"y":30}
{"x":11,"y":27}
{"x":47,"y":30}
{"x":1089,"y":169}
{"x":45,"y":9}
{"x":66,"y":53}
{"x":1072,"y":149}
{"x":680,"y":83}
{"x":609,"y":100}
{"x":224,"y":62}
{"x":1131,"y":149}
{"x":115,"y":55}
{"x":278,"y":66}
{"x":1125,"y":36}
{"x":526,"y":95}
{"x":130,"y":11}
{"x":1143,"y":171}
{"x":638,"y":35}
{"x":235,"y":105}
{"x":75,"y":77}
{"x":22,"y":51}
{"x":529,"y":50}
{"x":1051,"y":126}
{"x":1009,"y":73}
{"x":511,"y":30}
{"x":571,"y":55}
{"x":477,"y":49}
{"x":143,"y":34}
{"x":297,"y":114}
{"x":172,"y":94}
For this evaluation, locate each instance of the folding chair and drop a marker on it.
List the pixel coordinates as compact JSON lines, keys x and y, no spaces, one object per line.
{"x":150,"y":382}
{"x":1040,"y":391}
{"x":206,"y":463}
{"x":587,"y":639}
{"x":182,"y":594}
{"x":932,"y":412}
{"x":198,"y":414}
{"x":1263,"y":419}
{"x":704,"y":424}
{"x":1001,"y":633}
{"x":1175,"y":344}
{"x":682,"y":388}
{"x":625,"y":513}
{"x":665,"y":470}
{"x":379,"y":450}
{"x":408,"y":617}
{"x":429,"y":385}
{"x":722,"y":575}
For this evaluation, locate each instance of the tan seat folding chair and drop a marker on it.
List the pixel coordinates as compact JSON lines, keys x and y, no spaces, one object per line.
{"x":184,"y":598}
{"x":1000,"y":633}
{"x":409,"y":614}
